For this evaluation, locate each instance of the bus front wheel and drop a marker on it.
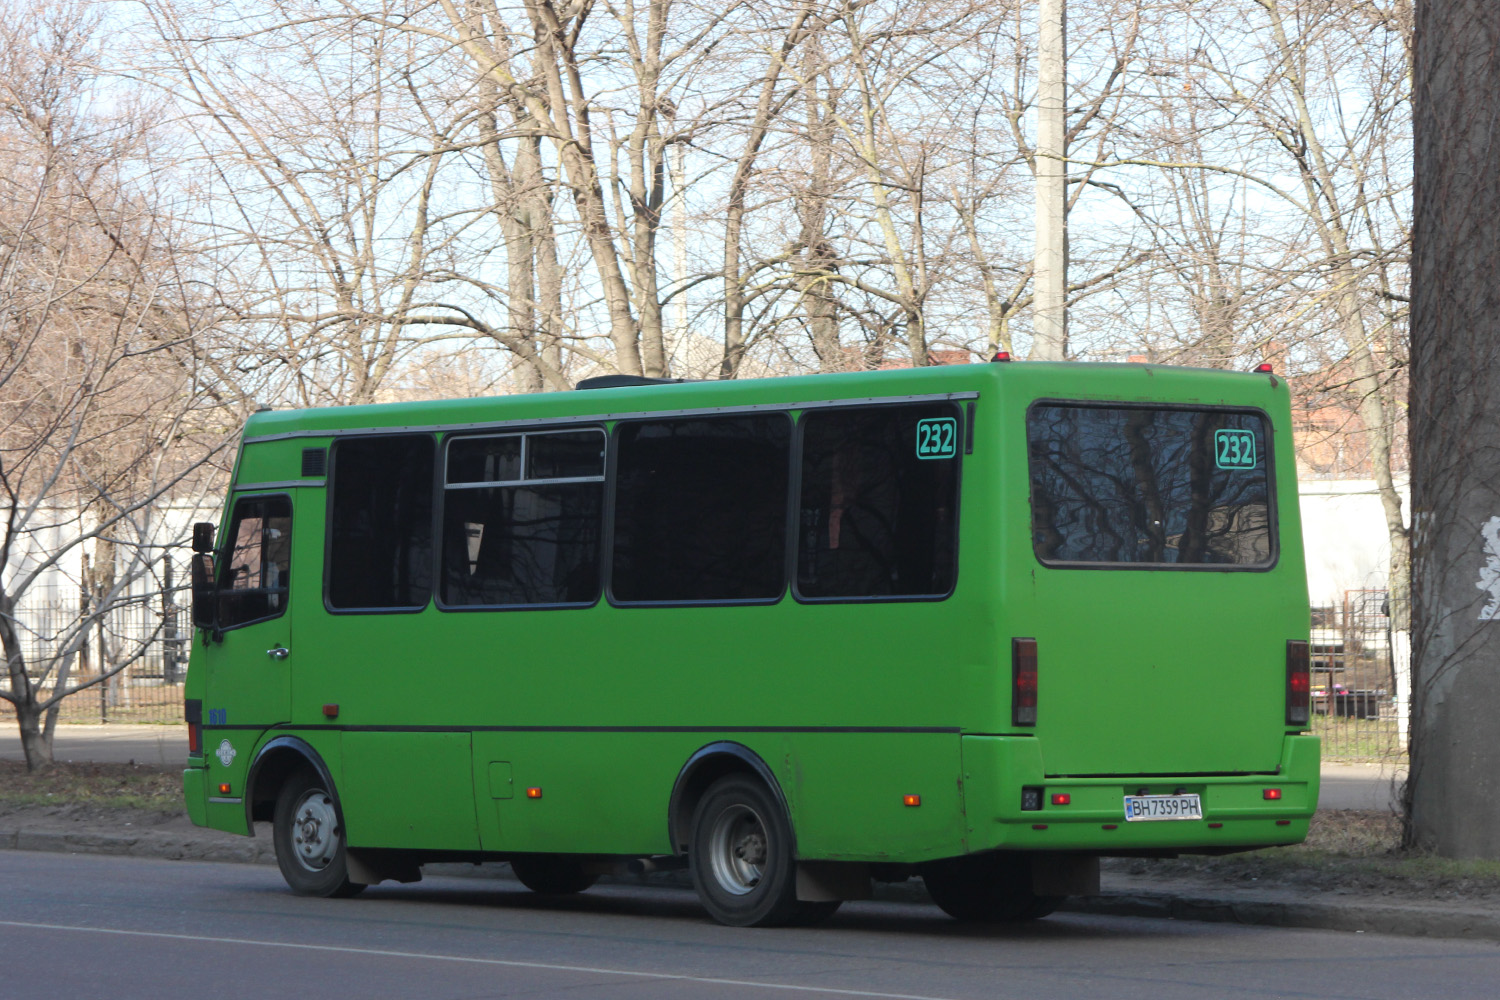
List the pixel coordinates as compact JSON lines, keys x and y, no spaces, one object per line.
{"x":309,"y":839}
{"x":741,"y":859}
{"x":986,"y":888}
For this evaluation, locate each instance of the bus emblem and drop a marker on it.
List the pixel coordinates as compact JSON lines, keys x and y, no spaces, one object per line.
{"x":225,"y":753}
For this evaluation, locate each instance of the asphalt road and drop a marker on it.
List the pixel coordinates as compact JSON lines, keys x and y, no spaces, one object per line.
{"x":87,"y":926}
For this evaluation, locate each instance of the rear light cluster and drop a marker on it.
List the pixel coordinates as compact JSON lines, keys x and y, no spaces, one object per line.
{"x":1298,"y":684}
{"x":192,"y":714}
{"x":1023,"y":682}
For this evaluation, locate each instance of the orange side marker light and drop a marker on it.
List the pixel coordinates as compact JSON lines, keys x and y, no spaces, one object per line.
{"x":224,"y":788}
{"x":533,"y":793}
{"x":911,"y":800}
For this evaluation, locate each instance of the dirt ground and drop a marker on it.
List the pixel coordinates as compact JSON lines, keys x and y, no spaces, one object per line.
{"x":1347,"y":851}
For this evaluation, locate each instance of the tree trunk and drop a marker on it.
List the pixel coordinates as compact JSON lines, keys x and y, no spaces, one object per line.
{"x":1454,"y":791}
{"x":36,"y":744}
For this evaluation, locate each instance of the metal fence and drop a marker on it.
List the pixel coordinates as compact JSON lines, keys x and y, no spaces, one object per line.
{"x":151,"y":630}
{"x":1355,"y":707}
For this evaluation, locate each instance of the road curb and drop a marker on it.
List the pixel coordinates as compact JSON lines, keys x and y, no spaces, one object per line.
{"x":1344,"y":915}
{"x":1266,"y":909}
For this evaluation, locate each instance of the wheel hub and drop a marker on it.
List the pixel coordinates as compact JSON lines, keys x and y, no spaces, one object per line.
{"x":315,"y":837}
{"x":737,"y":850}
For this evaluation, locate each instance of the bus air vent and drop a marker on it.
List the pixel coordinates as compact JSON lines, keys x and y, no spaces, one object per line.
{"x":622,"y":381}
{"x":314,"y":462}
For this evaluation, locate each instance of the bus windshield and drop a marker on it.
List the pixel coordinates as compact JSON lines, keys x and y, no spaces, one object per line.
{"x":1149,"y":486}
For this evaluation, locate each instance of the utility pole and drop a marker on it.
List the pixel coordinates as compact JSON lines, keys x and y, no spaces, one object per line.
{"x":1049,"y":302}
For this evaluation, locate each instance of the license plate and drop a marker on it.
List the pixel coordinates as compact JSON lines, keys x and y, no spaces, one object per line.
{"x":1151,"y":807}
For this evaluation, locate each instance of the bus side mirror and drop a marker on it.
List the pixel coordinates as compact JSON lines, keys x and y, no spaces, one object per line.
{"x":203,"y":575}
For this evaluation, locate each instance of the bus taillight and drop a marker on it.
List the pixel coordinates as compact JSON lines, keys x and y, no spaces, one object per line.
{"x":1023,"y":682}
{"x":195,"y":737}
{"x":1298,"y":683}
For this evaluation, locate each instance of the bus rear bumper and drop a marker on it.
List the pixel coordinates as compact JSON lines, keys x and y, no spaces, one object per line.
{"x":195,"y":794}
{"x":1239,"y":811}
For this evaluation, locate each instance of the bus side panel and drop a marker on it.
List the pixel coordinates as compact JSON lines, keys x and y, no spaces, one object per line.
{"x":595,"y":793}
{"x":409,"y":790}
{"x":847,"y":795}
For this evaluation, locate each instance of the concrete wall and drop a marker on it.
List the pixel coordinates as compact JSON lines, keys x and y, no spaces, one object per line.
{"x":1343,"y":530}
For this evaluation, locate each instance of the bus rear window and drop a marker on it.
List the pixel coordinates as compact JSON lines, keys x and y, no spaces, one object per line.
{"x":1140,"y":485}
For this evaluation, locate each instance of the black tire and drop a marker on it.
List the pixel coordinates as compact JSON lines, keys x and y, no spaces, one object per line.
{"x":308,"y":834}
{"x":987,"y":888}
{"x":552,"y":874}
{"x":741,"y":859}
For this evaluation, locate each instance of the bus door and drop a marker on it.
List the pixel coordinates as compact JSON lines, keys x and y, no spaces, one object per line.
{"x":249,"y":656}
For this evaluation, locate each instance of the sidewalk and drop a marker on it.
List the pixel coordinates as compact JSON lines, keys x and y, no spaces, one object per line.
{"x":116,"y":743}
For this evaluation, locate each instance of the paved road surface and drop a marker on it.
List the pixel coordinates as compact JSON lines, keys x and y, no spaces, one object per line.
{"x":127,"y":928}
{"x":1345,"y":786}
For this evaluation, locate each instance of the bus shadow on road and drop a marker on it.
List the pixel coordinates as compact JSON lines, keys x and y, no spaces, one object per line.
{"x":666,"y":903}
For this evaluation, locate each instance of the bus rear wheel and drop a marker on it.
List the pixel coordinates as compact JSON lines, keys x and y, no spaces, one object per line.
{"x":986,"y":888}
{"x":741,"y":859}
{"x":552,"y":874}
{"x":308,"y":835}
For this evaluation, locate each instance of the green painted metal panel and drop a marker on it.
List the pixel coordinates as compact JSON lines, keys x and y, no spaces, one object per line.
{"x":409,"y":790}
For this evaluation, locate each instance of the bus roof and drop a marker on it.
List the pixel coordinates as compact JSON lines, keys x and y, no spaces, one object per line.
{"x":1069,"y":380}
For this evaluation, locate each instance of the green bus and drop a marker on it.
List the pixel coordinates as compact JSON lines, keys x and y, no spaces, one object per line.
{"x":979,"y":624}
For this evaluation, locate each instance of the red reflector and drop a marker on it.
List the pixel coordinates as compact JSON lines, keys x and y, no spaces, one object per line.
{"x":1023,"y":682}
{"x":533,"y":793}
{"x":1271,"y":794}
{"x":1283,"y":822}
{"x":1298,"y":684}
{"x":331,"y":711}
{"x":1111,"y":826}
{"x":911,"y":800}
{"x":1216,"y":826}
{"x":1264,"y":368}
{"x":1061,"y":798}
{"x":1001,"y":356}
{"x":1039,"y":826}
{"x":195,"y":738}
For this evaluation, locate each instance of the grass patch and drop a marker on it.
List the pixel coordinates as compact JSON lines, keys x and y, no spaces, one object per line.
{"x":106,"y":786}
{"x":1348,"y":851}
{"x":1359,"y":740}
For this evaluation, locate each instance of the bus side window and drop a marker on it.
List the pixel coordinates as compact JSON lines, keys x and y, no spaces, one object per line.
{"x":256,"y":569}
{"x":879,"y":502}
{"x":380,"y":523}
{"x":523,"y":519}
{"x":701,"y":509}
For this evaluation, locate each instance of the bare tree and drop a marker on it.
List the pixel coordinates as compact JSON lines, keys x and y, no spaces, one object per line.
{"x":102,"y":414}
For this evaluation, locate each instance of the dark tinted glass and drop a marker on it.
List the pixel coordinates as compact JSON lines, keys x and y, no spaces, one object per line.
{"x":1142,"y":485}
{"x":522,"y":544}
{"x":566,"y":455}
{"x":255,"y":569}
{"x":380,"y":523}
{"x":700,"y":509}
{"x":879,"y":505}
{"x":484,"y":460}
